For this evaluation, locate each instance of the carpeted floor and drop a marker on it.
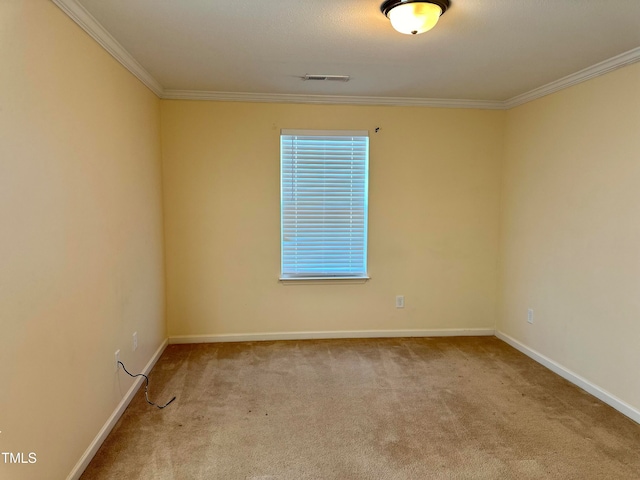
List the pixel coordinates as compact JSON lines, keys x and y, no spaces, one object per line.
{"x":414,"y":408}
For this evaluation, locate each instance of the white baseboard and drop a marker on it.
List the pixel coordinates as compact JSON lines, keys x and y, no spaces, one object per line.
{"x":574,"y":378}
{"x":113,"y":419}
{"x":259,"y":337}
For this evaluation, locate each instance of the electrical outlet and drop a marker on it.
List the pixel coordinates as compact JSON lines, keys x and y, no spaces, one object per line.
{"x":135,"y":341}
{"x":530,"y":315}
{"x":117,"y":355}
{"x":399,"y":301}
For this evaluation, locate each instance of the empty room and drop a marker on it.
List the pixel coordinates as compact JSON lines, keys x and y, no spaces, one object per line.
{"x":302,"y":239}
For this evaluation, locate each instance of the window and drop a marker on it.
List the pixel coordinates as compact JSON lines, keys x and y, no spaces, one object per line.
{"x":324,"y":203}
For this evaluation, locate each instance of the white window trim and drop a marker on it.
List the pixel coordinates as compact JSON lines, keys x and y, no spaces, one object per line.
{"x":316,"y":280}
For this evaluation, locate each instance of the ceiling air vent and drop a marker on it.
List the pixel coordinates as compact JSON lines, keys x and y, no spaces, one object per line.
{"x":334,"y":78}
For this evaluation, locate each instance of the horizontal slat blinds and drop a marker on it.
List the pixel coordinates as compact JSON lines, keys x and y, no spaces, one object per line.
{"x":324,"y":189}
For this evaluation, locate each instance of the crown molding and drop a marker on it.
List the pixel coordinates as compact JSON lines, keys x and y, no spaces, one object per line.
{"x":331,"y":99}
{"x":613,"y":63}
{"x":89,"y":24}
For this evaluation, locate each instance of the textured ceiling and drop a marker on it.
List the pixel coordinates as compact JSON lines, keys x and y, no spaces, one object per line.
{"x":480,"y":49}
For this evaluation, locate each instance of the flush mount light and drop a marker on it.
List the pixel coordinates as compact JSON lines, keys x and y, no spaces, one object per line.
{"x":414,"y":16}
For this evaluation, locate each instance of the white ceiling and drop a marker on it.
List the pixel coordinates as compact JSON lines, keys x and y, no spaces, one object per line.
{"x":490,"y":50}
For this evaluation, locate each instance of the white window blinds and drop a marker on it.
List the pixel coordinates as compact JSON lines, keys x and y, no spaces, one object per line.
{"x":324,"y":189}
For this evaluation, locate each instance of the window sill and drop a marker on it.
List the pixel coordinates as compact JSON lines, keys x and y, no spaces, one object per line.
{"x":322,"y":280}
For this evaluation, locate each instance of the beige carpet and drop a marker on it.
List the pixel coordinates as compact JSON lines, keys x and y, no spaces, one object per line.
{"x":441,"y":408}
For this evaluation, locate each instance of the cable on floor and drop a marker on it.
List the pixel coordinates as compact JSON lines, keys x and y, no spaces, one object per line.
{"x":146,"y":387}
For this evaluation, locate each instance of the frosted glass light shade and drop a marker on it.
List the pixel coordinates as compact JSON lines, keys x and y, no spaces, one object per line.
{"x":414,"y":18}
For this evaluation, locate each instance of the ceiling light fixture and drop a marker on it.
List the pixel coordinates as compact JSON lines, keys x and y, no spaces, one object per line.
{"x":414,"y":16}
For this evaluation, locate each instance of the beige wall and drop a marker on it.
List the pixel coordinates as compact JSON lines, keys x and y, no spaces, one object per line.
{"x":433,"y":222}
{"x":81,"y":242}
{"x":571,"y":229}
